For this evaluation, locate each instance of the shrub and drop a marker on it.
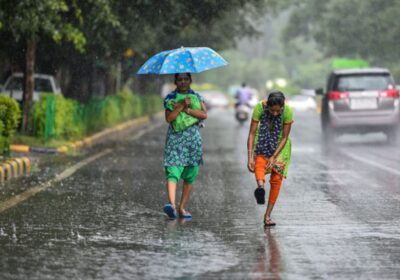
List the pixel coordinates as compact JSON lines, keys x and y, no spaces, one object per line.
{"x":57,"y":115}
{"x":69,"y":120}
{"x":10,"y":115}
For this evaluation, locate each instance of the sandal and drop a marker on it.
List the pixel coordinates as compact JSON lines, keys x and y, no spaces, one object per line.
{"x":268,"y":222}
{"x":184,"y":214}
{"x":259,"y":193}
{"x":170,"y":211}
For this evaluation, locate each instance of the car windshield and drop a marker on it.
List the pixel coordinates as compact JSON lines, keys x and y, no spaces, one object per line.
{"x":362,"y":82}
{"x":15,"y":84}
{"x":41,"y":85}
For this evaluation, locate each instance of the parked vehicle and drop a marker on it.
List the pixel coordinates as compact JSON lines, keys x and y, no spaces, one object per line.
{"x":360,"y":101}
{"x":13,"y":86}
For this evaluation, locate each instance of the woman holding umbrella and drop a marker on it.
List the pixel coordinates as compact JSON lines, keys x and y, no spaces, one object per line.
{"x":184,"y":111}
{"x":183,"y":149}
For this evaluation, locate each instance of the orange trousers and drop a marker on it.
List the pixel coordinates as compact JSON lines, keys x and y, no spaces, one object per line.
{"x":275,"y":181}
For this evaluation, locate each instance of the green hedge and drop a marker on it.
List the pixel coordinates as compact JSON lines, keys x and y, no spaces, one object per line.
{"x":71,"y":120}
{"x":60,"y":116}
{"x":10,"y":116}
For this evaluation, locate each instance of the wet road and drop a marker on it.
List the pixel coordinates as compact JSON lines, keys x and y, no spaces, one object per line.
{"x":337,"y":215}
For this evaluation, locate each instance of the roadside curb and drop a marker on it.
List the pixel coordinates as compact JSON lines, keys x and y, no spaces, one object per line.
{"x":14,"y":167}
{"x":21,"y":166}
{"x":87,"y":142}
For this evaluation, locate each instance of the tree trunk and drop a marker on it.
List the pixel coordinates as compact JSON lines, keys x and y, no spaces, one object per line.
{"x":109,"y":82}
{"x":29,"y":84}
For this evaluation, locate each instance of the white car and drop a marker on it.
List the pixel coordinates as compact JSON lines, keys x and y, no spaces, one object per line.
{"x":302,"y":102}
{"x":13,"y":86}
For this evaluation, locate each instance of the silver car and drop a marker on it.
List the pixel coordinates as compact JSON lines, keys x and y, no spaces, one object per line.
{"x":360,"y":101}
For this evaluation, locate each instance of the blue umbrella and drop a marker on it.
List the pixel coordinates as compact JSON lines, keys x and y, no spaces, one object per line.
{"x":183,"y":60}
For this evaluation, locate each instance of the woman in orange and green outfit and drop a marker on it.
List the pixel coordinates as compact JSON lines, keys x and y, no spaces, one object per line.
{"x":269,"y":147}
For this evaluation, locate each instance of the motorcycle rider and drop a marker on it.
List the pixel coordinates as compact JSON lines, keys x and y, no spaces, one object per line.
{"x":243,"y":95}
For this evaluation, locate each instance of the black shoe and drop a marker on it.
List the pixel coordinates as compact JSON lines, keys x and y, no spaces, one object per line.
{"x":259,"y":193}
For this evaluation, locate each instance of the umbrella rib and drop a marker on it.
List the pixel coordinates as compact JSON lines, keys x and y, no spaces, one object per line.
{"x":194,"y":65}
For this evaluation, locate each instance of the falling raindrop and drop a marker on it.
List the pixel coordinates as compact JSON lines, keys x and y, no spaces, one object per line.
{"x":14,"y":234}
{"x":2,"y":233}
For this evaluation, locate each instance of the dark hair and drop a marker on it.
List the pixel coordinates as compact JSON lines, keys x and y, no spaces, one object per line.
{"x":243,"y":84}
{"x":188,"y":74}
{"x":276,"y":98}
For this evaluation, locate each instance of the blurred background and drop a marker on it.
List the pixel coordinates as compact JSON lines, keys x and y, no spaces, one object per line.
{"x":91,"y":50}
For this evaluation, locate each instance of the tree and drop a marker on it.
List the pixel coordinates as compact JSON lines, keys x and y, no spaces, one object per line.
{"x":27,"y":21}
{"x":358,"y":29}
{"x":105,"y":29}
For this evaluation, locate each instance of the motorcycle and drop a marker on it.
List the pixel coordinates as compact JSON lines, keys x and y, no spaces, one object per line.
{"x":242,"y":113}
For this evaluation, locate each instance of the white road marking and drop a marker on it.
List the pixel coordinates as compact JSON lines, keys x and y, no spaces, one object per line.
{"x":372,"y":163}
{"x":34,"y":190}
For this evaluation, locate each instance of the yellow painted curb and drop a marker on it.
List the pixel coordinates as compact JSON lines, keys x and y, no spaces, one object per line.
{"x":78,"y":144}
{"x":14,"y":168}
{"x":27,"y":164}
{"x":21,"y":168}
{"x":8,"y":170}
{"x":20,"y":148}
{"x":71,"y":147}
{"x":89,"y":141}
{"x":2,"y":175}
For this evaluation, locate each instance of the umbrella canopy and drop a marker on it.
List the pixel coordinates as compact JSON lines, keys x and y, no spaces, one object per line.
{"x":183,"y":60}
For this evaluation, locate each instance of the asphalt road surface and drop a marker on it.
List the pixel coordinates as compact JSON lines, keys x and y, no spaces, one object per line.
{"x":338,"y":213}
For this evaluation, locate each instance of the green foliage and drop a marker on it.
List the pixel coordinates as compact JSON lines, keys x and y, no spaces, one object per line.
{"x":111,"y":112}
{"x":127,"y":104}
{"x":10,"y":114}
{"x":73,"y":120}
{"x":349,"y":28}
{"x":28,"y":19}
{"x":66,"y":124}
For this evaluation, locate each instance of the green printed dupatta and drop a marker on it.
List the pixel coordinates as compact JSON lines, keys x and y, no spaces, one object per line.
{"x":183,"y":120}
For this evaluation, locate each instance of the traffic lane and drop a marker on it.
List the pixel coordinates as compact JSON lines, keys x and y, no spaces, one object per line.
{"x":349,"y":219}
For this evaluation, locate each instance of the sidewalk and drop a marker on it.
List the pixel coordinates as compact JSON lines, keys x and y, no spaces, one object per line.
{"x":23,"y":156}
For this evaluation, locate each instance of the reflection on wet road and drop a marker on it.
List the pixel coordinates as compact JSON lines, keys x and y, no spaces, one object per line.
{"x":337,"y":216}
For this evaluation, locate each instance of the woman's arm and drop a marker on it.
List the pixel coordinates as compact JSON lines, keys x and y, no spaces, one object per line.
{"x":200,"y":114}
{"x":250,"y":141}
{"x":170,"y":116}
{"x":282,"y":143}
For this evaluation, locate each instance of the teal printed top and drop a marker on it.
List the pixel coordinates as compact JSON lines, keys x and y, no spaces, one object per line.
{"x":183,"y":148}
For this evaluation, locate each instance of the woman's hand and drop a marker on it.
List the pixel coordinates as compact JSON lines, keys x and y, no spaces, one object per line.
{"x":271,"y":162}
{"x":188,"y":101}
{"x":250,"y":165}
{"x":179,"y":106}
